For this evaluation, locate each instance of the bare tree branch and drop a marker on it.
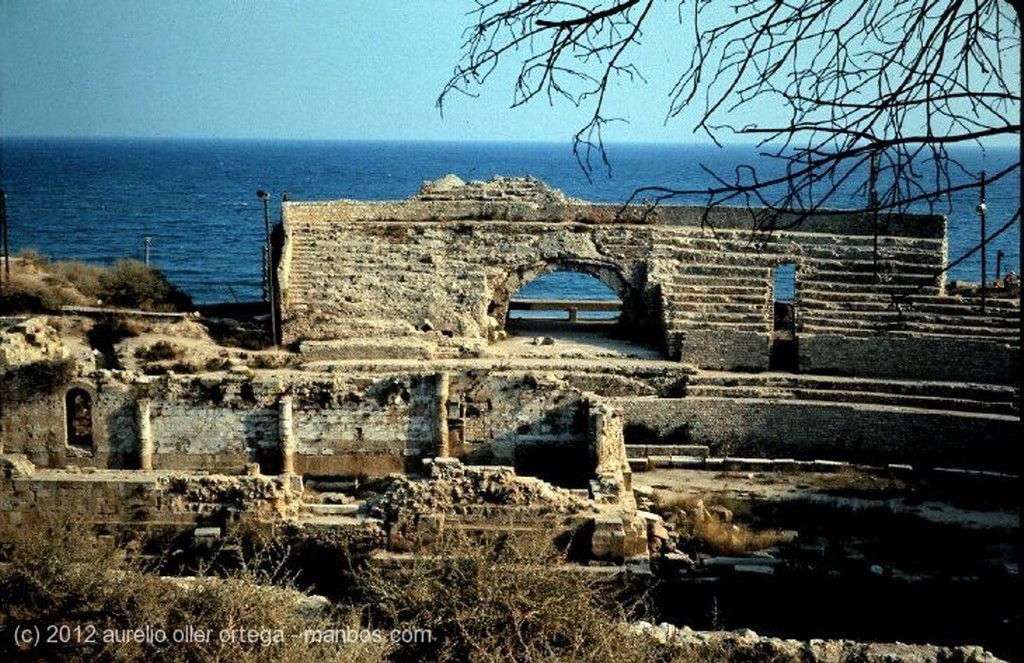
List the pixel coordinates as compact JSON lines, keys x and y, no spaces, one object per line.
{"x":895,"y":80}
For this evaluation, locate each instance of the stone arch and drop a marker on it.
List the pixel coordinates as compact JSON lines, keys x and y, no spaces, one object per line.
{"x":608,"y":273}
{"x":80,"y":417}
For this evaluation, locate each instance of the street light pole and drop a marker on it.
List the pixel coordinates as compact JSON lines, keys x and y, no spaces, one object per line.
{"x":268,"y":265}
{"x":981,"y":209}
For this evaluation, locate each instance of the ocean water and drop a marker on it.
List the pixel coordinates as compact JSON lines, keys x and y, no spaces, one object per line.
{"x":97,"y":200}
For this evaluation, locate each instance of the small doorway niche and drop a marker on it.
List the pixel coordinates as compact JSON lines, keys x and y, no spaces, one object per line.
{"x":785,"y":344}
{"x":78,"y":418}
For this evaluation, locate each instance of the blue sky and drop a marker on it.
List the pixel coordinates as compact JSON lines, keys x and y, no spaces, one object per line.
{"x":345,"y":69}
{"x":348,"y":69}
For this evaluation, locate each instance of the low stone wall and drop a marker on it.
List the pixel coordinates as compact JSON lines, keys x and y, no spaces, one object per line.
{"x":910,"y":357}
{"x":809,"y":430}
{"x":30,"y":497}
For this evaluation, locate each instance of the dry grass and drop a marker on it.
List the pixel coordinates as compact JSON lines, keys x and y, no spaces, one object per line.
{"x":501,"y":599}
{"x":41,"y":285}
{"x":711,"y":526}
{"x":62,"y":575}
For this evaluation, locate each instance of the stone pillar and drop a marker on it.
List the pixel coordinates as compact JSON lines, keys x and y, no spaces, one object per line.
{"x":443,"y":386}
{"x":142,"y":419}
{"x":286,"y":435}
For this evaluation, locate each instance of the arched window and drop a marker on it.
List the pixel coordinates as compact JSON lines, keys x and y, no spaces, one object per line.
{"x":78,"y":417}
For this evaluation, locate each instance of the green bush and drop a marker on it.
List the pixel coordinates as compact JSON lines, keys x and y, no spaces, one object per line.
{"x":131,"y":284}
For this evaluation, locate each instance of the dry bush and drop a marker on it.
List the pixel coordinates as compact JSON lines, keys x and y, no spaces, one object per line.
{"x":500,"y":599}
{"x":40,"y":285}
{"x":159,"y":351}
{"x":82,"y":277}
{"x":28,"y":382}
{"x":709,"y":529}
{"x":63,"y":575}
{"x":30,"y":293}
{"x":130,"y":283}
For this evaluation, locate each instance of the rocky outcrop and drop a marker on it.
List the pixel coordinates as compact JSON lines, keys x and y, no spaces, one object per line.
{"x":746,"y":645}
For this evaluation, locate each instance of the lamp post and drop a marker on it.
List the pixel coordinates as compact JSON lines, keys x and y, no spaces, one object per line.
{"x":981,"y":209}
{"x":268,"y":267}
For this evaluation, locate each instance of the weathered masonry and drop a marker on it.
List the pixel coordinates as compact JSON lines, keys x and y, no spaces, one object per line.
{"x":431,"y":277}
{"x":398,"y":310}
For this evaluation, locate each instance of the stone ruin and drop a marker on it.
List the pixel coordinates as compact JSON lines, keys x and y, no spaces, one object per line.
{"x":391,"y":311}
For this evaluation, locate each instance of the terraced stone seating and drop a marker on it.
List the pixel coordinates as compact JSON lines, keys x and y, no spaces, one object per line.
{"x":834,"y":310}
{"x":989,"y":399}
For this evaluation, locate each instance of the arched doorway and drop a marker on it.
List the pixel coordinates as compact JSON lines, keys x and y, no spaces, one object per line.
{"x":78,"y":418}
{"x":600,"y":293}
{"x":570,"y":298}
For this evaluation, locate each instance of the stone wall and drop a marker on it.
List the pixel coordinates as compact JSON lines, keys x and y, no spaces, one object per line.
{"x":30,"y":497}
{"x":432,"y":276}
{"x":808,"y":430}
{"x":910,"y":357}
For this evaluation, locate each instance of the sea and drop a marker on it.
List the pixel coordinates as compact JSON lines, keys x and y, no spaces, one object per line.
{"x":193,"y":203}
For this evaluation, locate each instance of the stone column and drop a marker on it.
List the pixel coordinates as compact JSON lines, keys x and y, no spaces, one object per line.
{"x":443,"y":386}
{"x":286,"y":434}
{"x":142,"y":419}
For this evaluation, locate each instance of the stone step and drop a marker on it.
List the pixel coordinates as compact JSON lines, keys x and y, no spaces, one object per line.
{"x":713,"y":299}
{"x":806,"y":330}
{"x":332,"y":509}
{"x":888,"y":315}
{"x":686,"y":307}
{"x":915,"y":304}
{"x":840,"y":289}
{"x":858,"y":396}
{"x":669,"y":237}
{"x":695,"y":321}
{"x":725,"y":284}
{"x":867,"y":278}
{"x":645,"y":450}
{"x":884,"y":321}
{"x":963,"y":390}
{"x":809,"y":264}
{"x":751,"y":273}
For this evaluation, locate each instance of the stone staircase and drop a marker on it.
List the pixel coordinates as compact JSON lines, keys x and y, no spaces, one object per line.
{"x":329,"y":509}
{"x":710,"y":289}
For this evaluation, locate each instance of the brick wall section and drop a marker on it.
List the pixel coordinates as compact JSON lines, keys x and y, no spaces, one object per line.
{"x":809,"y":430}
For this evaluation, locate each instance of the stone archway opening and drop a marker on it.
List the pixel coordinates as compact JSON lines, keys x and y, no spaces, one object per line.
{"x":573,"y":302}
{"x":564,"y":298}
{"x":78,"y":419}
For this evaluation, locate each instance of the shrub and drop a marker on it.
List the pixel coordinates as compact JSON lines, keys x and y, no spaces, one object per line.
{"x":132,"y":284}
{"x":83,"y":277}
{"x":63,"y":575}
{"x":34,"y":295}
{"x":39,"y":378}
{"x":159,"y":351}
{"x":501,"y":599}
